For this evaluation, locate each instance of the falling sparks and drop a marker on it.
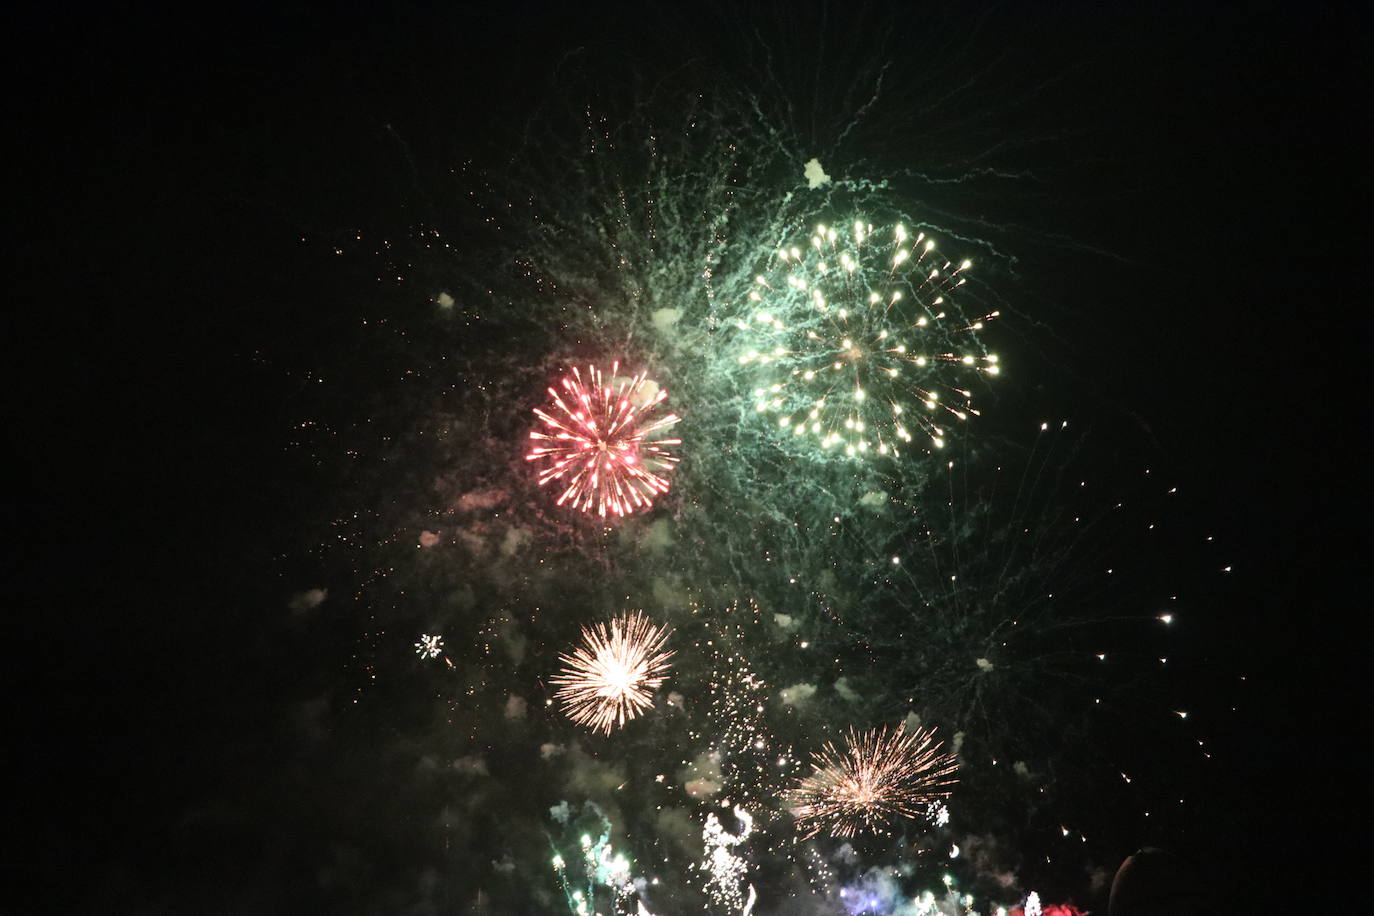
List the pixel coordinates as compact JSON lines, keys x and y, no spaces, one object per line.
{"x":602,"y":444}
{"x":861,"y":339}
{"x":597,"y":873}
{"x":726,"y":871}
{"x":883,"y":775}
{"x":610,"y":679}
{"x":751,"y":760}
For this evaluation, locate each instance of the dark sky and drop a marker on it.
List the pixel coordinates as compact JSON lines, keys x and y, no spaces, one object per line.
{"x":171,"y":162}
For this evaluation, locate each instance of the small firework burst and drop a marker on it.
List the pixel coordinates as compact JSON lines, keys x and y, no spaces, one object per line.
{"x":883,"y":775}
{"x":429,"y":646}
{"x":863,"y":341}
{"x":601,"y":443}
{"x":611,"y":678}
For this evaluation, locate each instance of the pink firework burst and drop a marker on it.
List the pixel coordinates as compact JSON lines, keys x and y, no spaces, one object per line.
{"x":601,"y":443}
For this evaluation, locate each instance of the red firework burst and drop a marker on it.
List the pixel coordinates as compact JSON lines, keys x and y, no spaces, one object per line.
{"x":600,"y":442}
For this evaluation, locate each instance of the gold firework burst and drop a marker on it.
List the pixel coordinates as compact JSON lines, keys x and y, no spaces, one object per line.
{"x":882,"y":775}
{"x":611,"y":678}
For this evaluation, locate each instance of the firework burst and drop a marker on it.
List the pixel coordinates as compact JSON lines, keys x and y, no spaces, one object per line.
{"x":602,"y":444}
{"x":429,"y":646}
{"x":610,"y":679}
{"x":862,"y":339}
{"x":883,"y":775}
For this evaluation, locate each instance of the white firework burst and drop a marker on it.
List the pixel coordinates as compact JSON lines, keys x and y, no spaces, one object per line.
{"x":611,"y":678}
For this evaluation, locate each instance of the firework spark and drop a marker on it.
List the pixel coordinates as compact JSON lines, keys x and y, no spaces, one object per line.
{"x":429,"y":646}
{"x":611,"y":677}
{"x":726,"y":871}
{"x":753,"y":763}
{"x":600,"y":871}
{"x":884,"y":775}
{"x":601,"y":443}
{"x":862,"y":337}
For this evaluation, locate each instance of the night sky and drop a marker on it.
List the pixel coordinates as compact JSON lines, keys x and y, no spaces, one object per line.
{"x":231,"y":223}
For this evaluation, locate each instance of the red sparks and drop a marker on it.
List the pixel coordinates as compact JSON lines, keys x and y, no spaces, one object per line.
{"x":599,"y":442}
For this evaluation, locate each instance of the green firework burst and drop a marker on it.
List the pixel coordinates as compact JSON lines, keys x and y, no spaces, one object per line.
{"x":859,"y":342}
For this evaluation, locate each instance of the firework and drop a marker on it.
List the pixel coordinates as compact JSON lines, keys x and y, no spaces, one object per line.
{"x":752,"y":762}
{"x":601,"y":443}
{"x":604,"y":875}
{"x":1027,"y":618}
{"x":726,"y":871}
{"x":611,"y":677}
{"x":862,"y":340}
{"x":884,"y":775}
{"x":429,"y":646}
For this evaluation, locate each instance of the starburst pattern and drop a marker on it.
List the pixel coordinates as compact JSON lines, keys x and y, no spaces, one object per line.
{"x":601,"y":443}
{"x":611,"y":678}
{"x":429,"y":646}
{"x":861,"y":341}
{"x":882,"y":776}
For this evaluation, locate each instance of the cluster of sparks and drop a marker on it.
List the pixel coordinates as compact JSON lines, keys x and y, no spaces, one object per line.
{"x":878,"y":892}
{"x":602,"y":866}
{"x":882,"y":776}
{"x":725,"y":870}
{"x":860,"y":339}
{"x":611,"y":678}
{"x":429,"y":646}
{"x":602,"y":444}
{"x":751,"y":758}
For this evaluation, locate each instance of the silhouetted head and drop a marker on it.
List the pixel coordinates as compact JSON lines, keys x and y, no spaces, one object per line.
{"x":1154,"y":882}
